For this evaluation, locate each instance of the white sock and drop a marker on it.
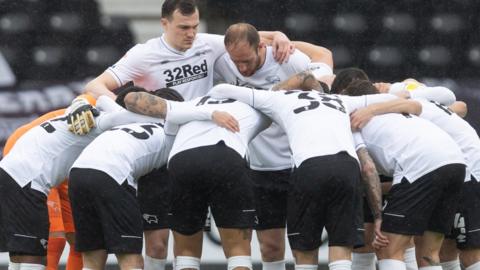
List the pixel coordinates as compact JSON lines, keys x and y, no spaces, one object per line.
{"x":437,"y":267}
{"x":278,"y":265}
{"x":363,"y":261}
{"x":183,"y":262}
{"x":84,"y":268}
{"x":340,"y":265}
{"x":475,"y":266}
{"x":13,"y":266}
{"x":389,"y":264}
{"x":154,"y":264}
{"x":306,"y":266}
{"x":451,"y":265}
{"x":239,"y":261}
{"x":32,"y":266}
{"x":410,"y":259}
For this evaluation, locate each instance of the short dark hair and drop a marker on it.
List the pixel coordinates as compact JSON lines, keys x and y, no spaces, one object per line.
{"x":345,"y":76}
{"x":123,"y":91}
{"x":185,"y":7}
{"x":325,"y":87}
{"x":360,"y":88}
{"x":241,"y":32}
{"x":168,"y":93}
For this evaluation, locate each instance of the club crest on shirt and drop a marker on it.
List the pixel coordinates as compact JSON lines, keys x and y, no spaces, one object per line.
{"x":273,"y":79}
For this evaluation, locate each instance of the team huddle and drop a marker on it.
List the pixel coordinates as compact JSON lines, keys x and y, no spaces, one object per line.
{"x":258,"y":131}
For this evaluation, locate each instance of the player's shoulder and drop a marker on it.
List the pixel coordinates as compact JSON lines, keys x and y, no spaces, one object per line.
{"x":148,"y":48}
{"x":298,"y":58}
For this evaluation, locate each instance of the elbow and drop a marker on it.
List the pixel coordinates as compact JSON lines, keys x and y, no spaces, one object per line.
{"x":460,"y":108}
{"x":129,"y":100}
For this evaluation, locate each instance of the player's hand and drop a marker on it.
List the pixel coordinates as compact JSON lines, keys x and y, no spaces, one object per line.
{"x":282,"y":47}
{"x":81,"y":116}
{"x":382,"y":87}
{"x":360,"y":118}
{"x":226,"y":120}
{"x":380,"y":240}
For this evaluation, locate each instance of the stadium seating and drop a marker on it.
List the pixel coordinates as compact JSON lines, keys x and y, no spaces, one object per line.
{"x":390,"y":38}
{"x":59,"y":40}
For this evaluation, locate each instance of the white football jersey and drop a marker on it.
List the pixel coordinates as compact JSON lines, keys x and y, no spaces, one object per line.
{"x":127,"y":152}
{"x":44,"y":154}
{"x":155,"y":64}
{"x":406,"y":146}
{"x":316,"y":124}
{"x":460,"y":130}
{"x":439,"y":94}
{"x":269,"y":150}
{"x":196,"y":133}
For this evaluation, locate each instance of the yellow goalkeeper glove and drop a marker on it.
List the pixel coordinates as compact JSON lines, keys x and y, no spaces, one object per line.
{"x":81,"y":116}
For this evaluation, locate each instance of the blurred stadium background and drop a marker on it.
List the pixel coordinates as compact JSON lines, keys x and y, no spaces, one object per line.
{"x":53,"y":47}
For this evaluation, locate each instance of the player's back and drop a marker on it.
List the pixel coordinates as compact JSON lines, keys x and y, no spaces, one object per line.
{"x":127,"y":152}
{"x":44,"y":154}
{"x":316,"y":124}
{"x":460,"y":130}
{"x":407,"y":146}
{"x":201,"y":133}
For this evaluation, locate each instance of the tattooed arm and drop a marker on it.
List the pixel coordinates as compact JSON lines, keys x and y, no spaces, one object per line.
{"x":146,"y":104}
{"x":373,"y":191}
{"x":303,"y":81}
{"x":371,"y":182}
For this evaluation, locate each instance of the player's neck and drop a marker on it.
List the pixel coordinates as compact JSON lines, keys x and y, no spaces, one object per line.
{"x":262,"y":52}
{"x":172,"y":46}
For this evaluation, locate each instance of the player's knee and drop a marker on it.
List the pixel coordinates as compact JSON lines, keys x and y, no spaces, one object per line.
{"x":272,"y":250}
{"x":469,"y":257}
{"x":157,"y":249}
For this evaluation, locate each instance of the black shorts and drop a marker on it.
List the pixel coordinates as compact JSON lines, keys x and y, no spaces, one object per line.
{"x":24,"y":218}
{"x":324,"y":193}
{"x":106,"y":214}
{"x":154,"y":198}
{"x":214,"y":176}
{"x":466,"y":226}
{"x":271,"y":193}
{"x":429,"y":203}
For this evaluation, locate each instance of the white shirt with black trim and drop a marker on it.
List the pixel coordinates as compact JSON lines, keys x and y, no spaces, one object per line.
{"x":127,"y":152}
{"x":268,"y":151}
{"x":193,"y":134}
{"x":45,"y":153}
{"x":406,"y":146}
{"x":460,"y":130}
{"x":316,"y":124}
{"x":155,"y":65}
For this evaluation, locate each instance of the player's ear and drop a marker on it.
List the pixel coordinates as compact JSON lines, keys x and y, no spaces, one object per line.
{"x":164,"y":22}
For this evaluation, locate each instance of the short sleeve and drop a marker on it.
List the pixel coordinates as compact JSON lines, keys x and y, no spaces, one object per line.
{"x":132,"y":66}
